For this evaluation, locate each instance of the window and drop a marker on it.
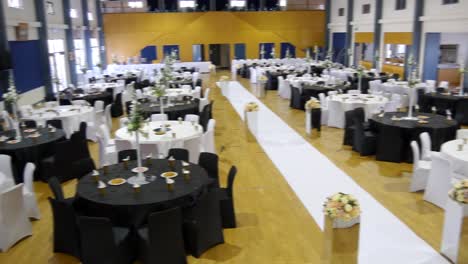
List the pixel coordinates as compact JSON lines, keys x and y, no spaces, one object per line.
{"x":341,"y":11}
{"x":57,"y":62}
{"x":73,"y":13}
{"x":237,"y":3}
{"x":135,"y":4}
{"x":15,"y":3}
{"x":283,"y":3}
{"x":80,"y":57}
{"x":187,"y":4}
{"x":50,"y":8}
{"x":366,"y":9}
{"x":95,"y":54}
{"x":448,"y":2}
{"x":400,"y":5}
{"x":90,"y":16}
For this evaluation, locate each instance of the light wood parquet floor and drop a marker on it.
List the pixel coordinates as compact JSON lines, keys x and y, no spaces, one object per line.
{"x":273,"y":225}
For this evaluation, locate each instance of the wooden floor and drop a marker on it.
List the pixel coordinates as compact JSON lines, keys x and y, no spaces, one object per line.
{"x":273,"y":225}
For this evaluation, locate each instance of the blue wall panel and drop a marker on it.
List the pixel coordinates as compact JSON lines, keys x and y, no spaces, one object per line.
{"x":267,"y":47}
{"x":431,"y":56}
{"x":292,"y":49}
{"x":26,"y":65}
{"x":149,"y":53}
{"x":339,"y":47}
{"x":239,"y":51}
{"x":167,"y":49}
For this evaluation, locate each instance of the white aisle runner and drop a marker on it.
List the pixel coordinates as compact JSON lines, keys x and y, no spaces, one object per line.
{"x":384,"y":238}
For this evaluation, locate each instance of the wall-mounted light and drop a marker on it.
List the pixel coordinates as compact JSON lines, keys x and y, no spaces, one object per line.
{"x":135,"y":4}
{"x":90,"y":16}
{"x":73,"y":13}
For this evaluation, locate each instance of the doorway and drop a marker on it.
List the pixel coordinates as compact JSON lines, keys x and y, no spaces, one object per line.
{"x":220,"y":55}
{"x":198,"y":52}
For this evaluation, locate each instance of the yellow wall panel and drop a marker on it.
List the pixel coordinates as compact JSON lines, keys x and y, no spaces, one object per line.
{"x":398,"y":38}
{"x":127,"y":34}
{"x":364,"y":37}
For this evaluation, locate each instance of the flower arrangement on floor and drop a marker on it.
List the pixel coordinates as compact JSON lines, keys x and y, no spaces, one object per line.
{"x":313,"y":103}
{"x":342,"y":206}
{"x":251,"y":107}
{"x":459,"y":192}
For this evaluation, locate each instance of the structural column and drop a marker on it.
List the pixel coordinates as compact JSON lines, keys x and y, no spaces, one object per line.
{"x":87,"y":35}
{"x":349,"y":33}
{"x":69,"y":39}
{"x":102,"y":41}
{"x":327,"y":22}
{"x":43,"y":46}
{"x":377,"y":30}
{"x":4,"y":50}
{"x":417,"y":31}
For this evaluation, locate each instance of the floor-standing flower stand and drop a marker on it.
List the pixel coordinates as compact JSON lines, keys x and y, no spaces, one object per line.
{"x":16,"y":122}
{"x":341,"y":241}
{"x":411,"y":95}
{"x":360,"y":82}
{"x":161,"y":105}
{"x":260,"y":89}
{"x":455,"y":232}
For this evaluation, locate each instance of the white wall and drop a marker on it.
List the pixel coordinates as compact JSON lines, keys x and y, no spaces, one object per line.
{"x":363,"y":22}
{"x":397,"y":20}
{"x":445,"y":18}
{"x":460,"y":39}
{"x":338,"y":23}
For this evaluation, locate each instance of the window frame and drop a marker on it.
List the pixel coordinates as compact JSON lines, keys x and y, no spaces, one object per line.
{"x":18,"y":4}
{"x":400,"y":5}
{"x":366,"y":9}
{"x":341,"y":11}
{"x":450,"y":2}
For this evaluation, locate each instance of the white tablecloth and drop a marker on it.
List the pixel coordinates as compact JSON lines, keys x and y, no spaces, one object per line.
{"x":70,"y":115}
{"x":458,"y":158}
{"x":202,"y":66}
{"x":339,"y":104}
{"x":176,"y":92}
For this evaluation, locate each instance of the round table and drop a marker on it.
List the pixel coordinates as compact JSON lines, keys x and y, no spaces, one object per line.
{"x":176,"y":93}
{"x":125,"y":207}
{"x":29,"y":149}
{"x":458,"y":158}
{"x":92,"y":97}
{"x":70,"y":115}
{"x":450,"y":102}
{"x":175,"y":110}
{"x":395,"y":136}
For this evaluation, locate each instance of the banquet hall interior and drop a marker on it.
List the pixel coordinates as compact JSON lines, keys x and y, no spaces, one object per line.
{"x":234,"y":131}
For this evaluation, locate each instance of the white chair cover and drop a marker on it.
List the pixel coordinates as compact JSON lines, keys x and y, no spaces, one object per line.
{"x":208,"y":140}
{"x":197,"y":92}
{"x":6,"y":172}
{"x":107,"y":154}
{"x":462,"y":133}
{"x":121,"y":144}
{"x":14,"y":224}
{"x":335,"y":114}
{"x":206,"y":94}
{"x":193,"y":146}
{"x":426,"y":146}
{"x":159,"y":117}
{"x":108,"y":117}
{"x":439,"y":181}
{"x":253,"y":75}
{"x":421,"y":170}
{"x":105,"y":134}
{"x":30,"y":202}
{"x":192,"y":118}
{"x":124,"y":121}
{"x":149,"y":149}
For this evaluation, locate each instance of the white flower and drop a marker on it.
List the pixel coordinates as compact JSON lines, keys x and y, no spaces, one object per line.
{"x":458,"y":185}
{"x":348,"y":208}
{"x":336,"y":197}
{"x":344,"y":200}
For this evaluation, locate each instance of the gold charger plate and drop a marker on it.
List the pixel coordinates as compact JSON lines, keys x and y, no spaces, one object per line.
{"x":169,"y":174}
{"x":117,"y":181}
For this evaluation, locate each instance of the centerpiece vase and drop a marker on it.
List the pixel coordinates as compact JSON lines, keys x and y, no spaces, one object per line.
{"x":410,"y":107}
{"x":161,"y":105}
{"x":140,"y":177}
{"x":16,"y":121}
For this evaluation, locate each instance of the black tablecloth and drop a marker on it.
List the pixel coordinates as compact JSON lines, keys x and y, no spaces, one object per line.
{"x":394,"y":137}
{"x":30,"y":150}
{"x":125,"y":207}
{"x":315,"y":90}
{"x":106,"y":97}
{"x":179,"y":109}
{"x":443,"y":102}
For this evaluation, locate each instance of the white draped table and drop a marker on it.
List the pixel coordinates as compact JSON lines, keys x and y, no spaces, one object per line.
{"x":458,"y":158}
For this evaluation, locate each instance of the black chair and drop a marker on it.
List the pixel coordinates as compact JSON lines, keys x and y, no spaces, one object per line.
{"x":56,"y":188}
{"x":103,"y":244}
{"x":82,"y":131}
{"x":226,"y":201}
{"x":296,"y":99}
{"x":202,"y":224}
{"x":396,"y":76}
{"x":461,"y":112}
{"x":360,"y":114}
{"x":57,"y":123}
{"x":128,"y":153}
{"x":209,"y":162}
{"x":179,"y":154}
{"x":117,"y":108}
{"x":205,"y":117}
{"x":66,"y":235}
{"x":30,"y":123}
{"x":199,"y":82}
{"x":389,"y":144}
{"x":163,"y":241}
{"x":364,"y":142}
{"x":349,"y":128}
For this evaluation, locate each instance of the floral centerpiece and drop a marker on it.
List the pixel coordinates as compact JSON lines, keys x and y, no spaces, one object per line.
{"x":316,"y":52}
{"x":11,"y":97}
{"x":288,"y":54}
{"x":272,"y":54}
{"x":224,"y":78}
{"x":251,"y":107}
{"x":459,"y":193}
{"x":135,"y":126}
{"x":413,"y":80}
{"x":342,"y":208}
{"x":262,"y":52}
{"x":313,"y":103}
{"x":462,"y":70}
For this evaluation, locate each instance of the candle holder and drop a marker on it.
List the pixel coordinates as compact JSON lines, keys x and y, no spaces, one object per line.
{"x":180,"y":120}
{"x":170,"y":184}
{"x":105,"y":169}
{"x":171,"y":161}
{"x":186,"y":174}
{"x":136,"y":188}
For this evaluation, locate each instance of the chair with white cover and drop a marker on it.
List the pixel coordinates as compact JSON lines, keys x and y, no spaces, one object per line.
{"x":149,"y":149}
{"x":99,"y":106}
{"x":253,"y":75}
{"x":193,"y":146}
{"x":122,"y":144}
{"x":354,"y":92}
{"x":324,"y":109}
{"x":14,"y":224}
{"x":374,"y":86}
{"x":8,"y":120}
{"x":430,"y":86}
{"x":6,"y":172}
{"x":159,"y":117}
{"x":30,"y":202}
{"x":123,"y":122}
{"x":197,"y":92}
{"x":108,"y":117}
{"x":80,"y":102}
{"x":426,"y":146}
{"x":107,"y":154}
{"x":462,"y":133}
{"x":444,"y":84}
{"x":208,"y":138}
{"x":439,"y":181}
{"x":421,"y":169}
{"x":391,"y":106}
{"x":203,"y":102}
{"x":192,"y":118}
{"x":206,"y":94}
{"x":105,"y":134}
{"x":335,"y":114}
